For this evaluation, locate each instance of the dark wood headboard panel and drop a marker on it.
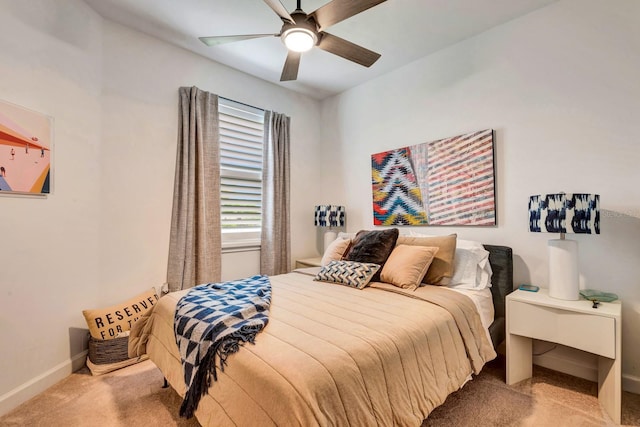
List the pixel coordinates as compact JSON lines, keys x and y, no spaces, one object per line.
{"x":501,"y":259}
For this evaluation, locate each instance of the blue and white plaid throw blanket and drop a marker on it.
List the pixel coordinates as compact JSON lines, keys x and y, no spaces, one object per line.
{"x":214,"y":320}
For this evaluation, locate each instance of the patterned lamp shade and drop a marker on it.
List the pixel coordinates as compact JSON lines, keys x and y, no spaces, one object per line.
{"x":565,"y":213}
{"x":329,"y":216}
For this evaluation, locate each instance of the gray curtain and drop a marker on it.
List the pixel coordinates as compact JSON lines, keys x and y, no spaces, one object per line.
{"x":275,"y":246}
{"x":195,"y":240}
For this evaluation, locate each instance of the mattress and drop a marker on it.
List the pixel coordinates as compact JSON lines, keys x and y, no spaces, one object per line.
{"x":334,"y":355}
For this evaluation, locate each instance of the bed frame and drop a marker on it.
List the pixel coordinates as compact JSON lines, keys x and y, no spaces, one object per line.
{"x":501,"y":259}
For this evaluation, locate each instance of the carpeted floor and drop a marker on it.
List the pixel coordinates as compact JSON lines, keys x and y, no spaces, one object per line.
{"x":133,"y":397}
{"x":550,"y":398}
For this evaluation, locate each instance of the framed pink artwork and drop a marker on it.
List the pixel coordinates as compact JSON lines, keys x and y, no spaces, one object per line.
{"x":25,"y":150}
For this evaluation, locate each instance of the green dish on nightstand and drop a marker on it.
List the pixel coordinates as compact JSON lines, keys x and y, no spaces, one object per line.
{"x":593,"y":295}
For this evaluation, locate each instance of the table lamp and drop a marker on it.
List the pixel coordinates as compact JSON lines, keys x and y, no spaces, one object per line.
{"x":564,"y":213}
{"x":329,"y":216}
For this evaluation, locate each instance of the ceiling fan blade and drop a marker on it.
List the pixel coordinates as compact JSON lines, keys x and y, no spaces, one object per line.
{"x":339,"y":10}
{"x":216,"y":40}
{"x":347,"y":50}
{"x":291,"y":65}
{"x":280,"y":10}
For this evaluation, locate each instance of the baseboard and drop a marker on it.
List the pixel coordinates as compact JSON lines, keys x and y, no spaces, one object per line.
{"x":570,"y":361}
{"x":79,"y":361}
{"x":580,"y":364}
{"x":631,"y":383}
{"x":37,"y":385}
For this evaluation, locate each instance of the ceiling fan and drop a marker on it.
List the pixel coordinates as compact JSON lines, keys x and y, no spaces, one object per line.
{"x":302,"y":31}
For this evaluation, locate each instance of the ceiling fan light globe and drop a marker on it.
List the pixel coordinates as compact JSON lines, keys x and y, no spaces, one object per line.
{"x":299,"y":39}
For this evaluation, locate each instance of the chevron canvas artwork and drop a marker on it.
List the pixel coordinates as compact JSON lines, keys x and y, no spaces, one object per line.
{"x":445,"y":182}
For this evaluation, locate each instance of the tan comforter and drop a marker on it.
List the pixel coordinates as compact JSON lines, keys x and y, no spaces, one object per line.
{"x":334,"y":355}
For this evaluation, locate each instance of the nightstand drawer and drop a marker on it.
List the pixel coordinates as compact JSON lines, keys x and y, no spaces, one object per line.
{"x":595,"y":334}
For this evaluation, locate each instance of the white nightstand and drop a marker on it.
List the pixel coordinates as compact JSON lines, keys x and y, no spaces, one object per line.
{"x":309,"y":262}
{"x":574,"y":324}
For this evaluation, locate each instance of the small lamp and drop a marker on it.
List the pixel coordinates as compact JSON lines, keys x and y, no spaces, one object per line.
{"x":564,"y":213}
{"x":329,"y":216}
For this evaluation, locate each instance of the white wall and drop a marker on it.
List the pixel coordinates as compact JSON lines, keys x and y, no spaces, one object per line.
{"x":141,"y":77}
{"x":560,"y":87}
{"x":102,"y":236}
{"x":49,"y":247}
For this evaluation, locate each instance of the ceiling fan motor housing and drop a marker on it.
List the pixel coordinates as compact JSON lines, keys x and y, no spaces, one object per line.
{"x":303,"y":22}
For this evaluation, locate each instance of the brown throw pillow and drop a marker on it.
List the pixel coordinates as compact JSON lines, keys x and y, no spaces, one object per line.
{"x":373,"y":247}
{"x":441,"y":270}
{"x":407,"y":265}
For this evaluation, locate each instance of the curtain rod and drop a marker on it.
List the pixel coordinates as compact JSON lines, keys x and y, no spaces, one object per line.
{"x":242,"y":103}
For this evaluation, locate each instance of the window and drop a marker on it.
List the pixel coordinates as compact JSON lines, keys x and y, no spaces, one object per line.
{"x":241,"y":140}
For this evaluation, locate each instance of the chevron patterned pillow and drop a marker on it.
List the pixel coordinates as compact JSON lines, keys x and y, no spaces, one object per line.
{"x":350,"y":273}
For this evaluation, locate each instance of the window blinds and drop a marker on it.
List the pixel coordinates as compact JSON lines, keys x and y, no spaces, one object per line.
{"x":241,"y":140}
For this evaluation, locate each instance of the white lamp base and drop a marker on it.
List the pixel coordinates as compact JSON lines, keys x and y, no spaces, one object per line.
{"x":329,"y":237}
{"x":564,"y":282}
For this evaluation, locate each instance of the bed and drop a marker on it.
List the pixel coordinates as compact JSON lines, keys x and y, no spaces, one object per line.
{"x":332,"y":355}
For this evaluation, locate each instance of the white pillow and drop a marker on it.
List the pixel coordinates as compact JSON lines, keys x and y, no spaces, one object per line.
{"x":468,"y":244}
{"x":416,"y":234}
{"x":471,"y":269}
{"x":485,"y":272}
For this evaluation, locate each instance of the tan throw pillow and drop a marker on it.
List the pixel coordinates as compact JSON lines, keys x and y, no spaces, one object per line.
{"x":335,"y":251}
{"x":441,"y":270}
{"x":107,"y":323}
{"x":407,"y":265}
